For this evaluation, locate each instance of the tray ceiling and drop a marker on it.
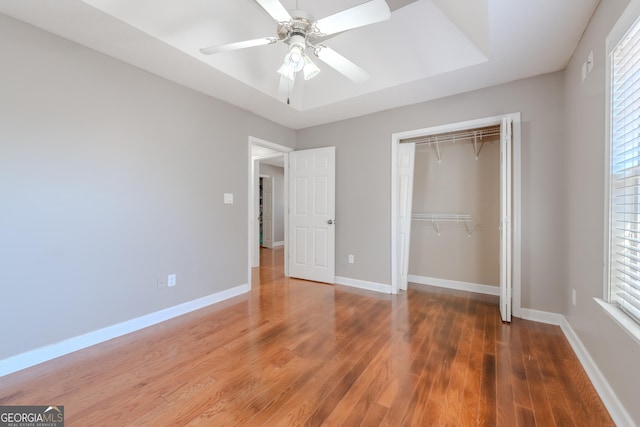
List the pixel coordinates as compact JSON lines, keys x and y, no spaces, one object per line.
{"x":428,"y":49}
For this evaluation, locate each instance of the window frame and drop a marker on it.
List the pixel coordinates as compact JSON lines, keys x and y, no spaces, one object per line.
{"x":625,"y":23}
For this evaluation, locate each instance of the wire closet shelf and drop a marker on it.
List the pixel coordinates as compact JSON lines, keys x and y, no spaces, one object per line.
{"x":437,"y":218}
{"x":477,"y":137}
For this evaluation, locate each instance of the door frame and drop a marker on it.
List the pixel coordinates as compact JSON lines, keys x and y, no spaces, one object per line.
{"x":253,"y":240}
{"x":516,"y":192}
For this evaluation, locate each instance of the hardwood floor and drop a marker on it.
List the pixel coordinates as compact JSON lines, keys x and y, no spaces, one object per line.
{"x":300,"y":353}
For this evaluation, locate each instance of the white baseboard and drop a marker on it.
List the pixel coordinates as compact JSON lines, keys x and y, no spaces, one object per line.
{"x":49,"y":352}
{"x":617,"y":411}
{"x":454,"y":284}
{"x":364,"y":284}
{"x":540,"y":316}
{"x":276,"y":244}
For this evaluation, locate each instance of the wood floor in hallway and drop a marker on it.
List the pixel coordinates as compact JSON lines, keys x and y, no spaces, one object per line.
{"x":300,"y":353}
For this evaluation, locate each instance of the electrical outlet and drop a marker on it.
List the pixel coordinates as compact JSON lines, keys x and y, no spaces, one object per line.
{"x":573,"y":296}
{"x":351,"y":259}
{"x":162,"y":282}
{"x":171,"y":280}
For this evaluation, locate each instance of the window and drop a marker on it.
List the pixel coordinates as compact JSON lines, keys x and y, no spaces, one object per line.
{"x":624,"y":173}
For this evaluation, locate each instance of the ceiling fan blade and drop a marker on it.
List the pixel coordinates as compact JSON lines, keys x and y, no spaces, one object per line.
{"x":237,"y":45}
{"x":275,"y":9}
{"x":367,"y":13}
{"x":341,"y":64}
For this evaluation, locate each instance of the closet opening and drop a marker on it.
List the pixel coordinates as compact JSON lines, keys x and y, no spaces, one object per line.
{"x":453,"y":222}
{"x":455,"y":214}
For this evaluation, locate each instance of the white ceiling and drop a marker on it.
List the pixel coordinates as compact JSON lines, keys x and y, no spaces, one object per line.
{"x":428,"y":49}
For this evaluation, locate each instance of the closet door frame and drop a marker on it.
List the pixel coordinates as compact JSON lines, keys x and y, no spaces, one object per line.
{"x":515,"y":202}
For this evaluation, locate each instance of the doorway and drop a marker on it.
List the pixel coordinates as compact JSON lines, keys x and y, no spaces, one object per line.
{"x":309,"y":224}
{"x":261,"y":151}
{"x":265,"y":211}
{"x":401,"y":191}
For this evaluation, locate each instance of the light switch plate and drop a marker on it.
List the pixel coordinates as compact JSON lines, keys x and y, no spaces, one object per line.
{"x":228,"y":198}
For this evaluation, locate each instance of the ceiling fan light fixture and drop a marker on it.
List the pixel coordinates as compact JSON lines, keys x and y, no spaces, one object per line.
{"x":287,"y":72}
{"x":295,"y":58}
{"x":310,"y":69}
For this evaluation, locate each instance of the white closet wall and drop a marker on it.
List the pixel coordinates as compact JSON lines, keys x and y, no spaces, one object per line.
{"x":459,"y":184}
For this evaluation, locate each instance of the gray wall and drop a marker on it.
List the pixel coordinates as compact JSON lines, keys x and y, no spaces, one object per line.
{"x":460,"y":183}
{"x":363,"y":179}
{"x":109,"y":177}
{"x":278,"y":199}
{"x":583,"y":212}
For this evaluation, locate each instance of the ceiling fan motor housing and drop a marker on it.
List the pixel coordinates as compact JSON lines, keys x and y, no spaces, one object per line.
{"x":291,"y":31}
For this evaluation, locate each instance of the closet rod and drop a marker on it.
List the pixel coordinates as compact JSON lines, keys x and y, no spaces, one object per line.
{"x":454,"y":137}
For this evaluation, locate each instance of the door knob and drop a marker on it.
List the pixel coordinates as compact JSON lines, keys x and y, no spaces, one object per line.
{"x":330,"y":222}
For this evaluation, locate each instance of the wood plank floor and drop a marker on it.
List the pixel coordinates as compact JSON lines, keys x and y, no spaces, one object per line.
{"x":299,"y":353}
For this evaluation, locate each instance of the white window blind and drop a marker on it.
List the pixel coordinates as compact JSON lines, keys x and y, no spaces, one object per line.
{"x":624,"y":231}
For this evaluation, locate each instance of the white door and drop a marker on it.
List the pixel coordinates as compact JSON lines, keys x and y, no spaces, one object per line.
{"x":312,"y":214}
{"x":267,"y":212}
{"x":505,"y":220}
{"x":406,"y":157}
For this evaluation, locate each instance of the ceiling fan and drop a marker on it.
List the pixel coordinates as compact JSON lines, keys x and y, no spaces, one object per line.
{"x":301,"y":34}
